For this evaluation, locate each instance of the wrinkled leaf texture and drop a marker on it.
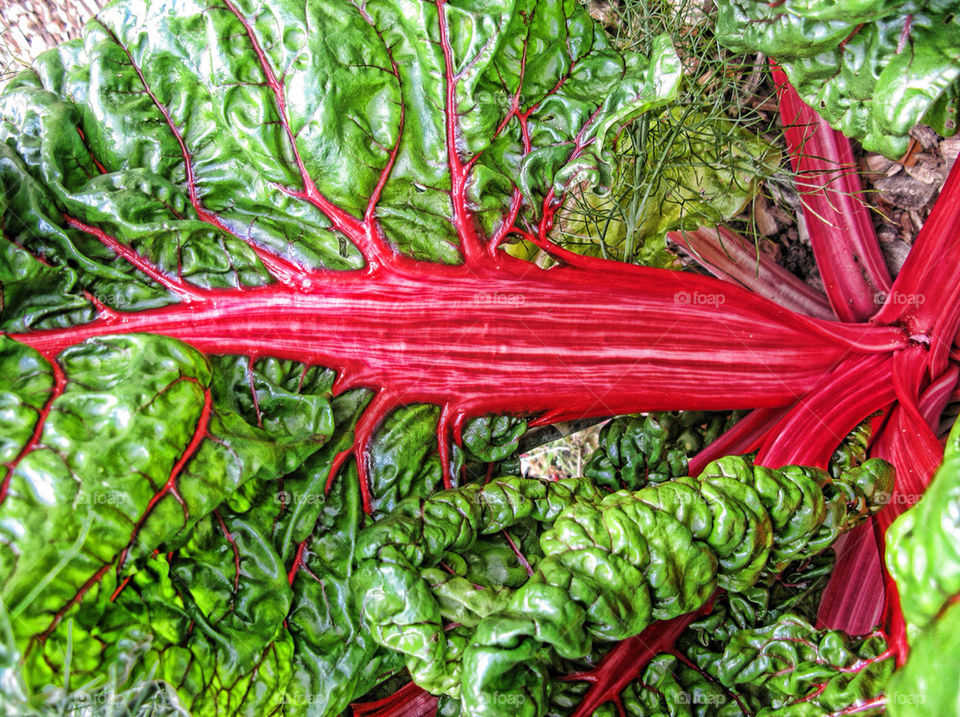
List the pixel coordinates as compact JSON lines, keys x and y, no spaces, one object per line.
{"x":873,"y":70}
{"x":165,"y":512}
{"x":923,"y":558}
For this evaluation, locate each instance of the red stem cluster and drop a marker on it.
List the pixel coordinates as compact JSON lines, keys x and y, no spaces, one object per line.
{"x":907,"y":388}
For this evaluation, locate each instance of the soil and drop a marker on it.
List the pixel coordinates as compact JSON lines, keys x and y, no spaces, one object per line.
{"x":902,"y":193}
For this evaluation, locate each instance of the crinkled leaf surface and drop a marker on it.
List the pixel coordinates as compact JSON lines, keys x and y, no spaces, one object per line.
{"x":784,"y":667}
{"x":189,"y":132}
{"x":134,"y":442}
{"x":634,"y":450}
{"x":176,"y":499}
{"x":177,"y":515}
{"x":872,"y":70}
{"x":607,"y":565}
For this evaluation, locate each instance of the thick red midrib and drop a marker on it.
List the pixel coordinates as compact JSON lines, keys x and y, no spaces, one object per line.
{"x":728,"y":255}
{"x":526,"y":343}
{"x":843,"y":398}
{"x":838,"y":219}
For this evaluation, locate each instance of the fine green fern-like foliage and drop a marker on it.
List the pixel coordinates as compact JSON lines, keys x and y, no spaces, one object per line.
{"x":698,"y":163}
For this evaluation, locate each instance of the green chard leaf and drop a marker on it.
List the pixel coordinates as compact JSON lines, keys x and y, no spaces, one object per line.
{"x":872,"y":70}
{"x":754,"y":653}
{"x":607,"y":566}
{"x":179,"y":517}
{"x":923,"y":552}
{"x":924,"y":685}
{"x":784,"y":667}
{"x":237,"y":595}
{"x":923,"y":557}
{"x":136,"y":445}
{"x":653,"y":448}
{"x":184,"y":518}
{"x":99,"y":132}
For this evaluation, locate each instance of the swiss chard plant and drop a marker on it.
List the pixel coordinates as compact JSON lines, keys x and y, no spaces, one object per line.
{"x":266,"y":361}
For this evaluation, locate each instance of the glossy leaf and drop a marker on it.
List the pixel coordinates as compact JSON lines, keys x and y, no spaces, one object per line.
{"x":607,"y":566}
{"x":922,"y":547}
{"x":873,"y":70}
{"x":256,"y":312}
{"x":918,"y":687}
